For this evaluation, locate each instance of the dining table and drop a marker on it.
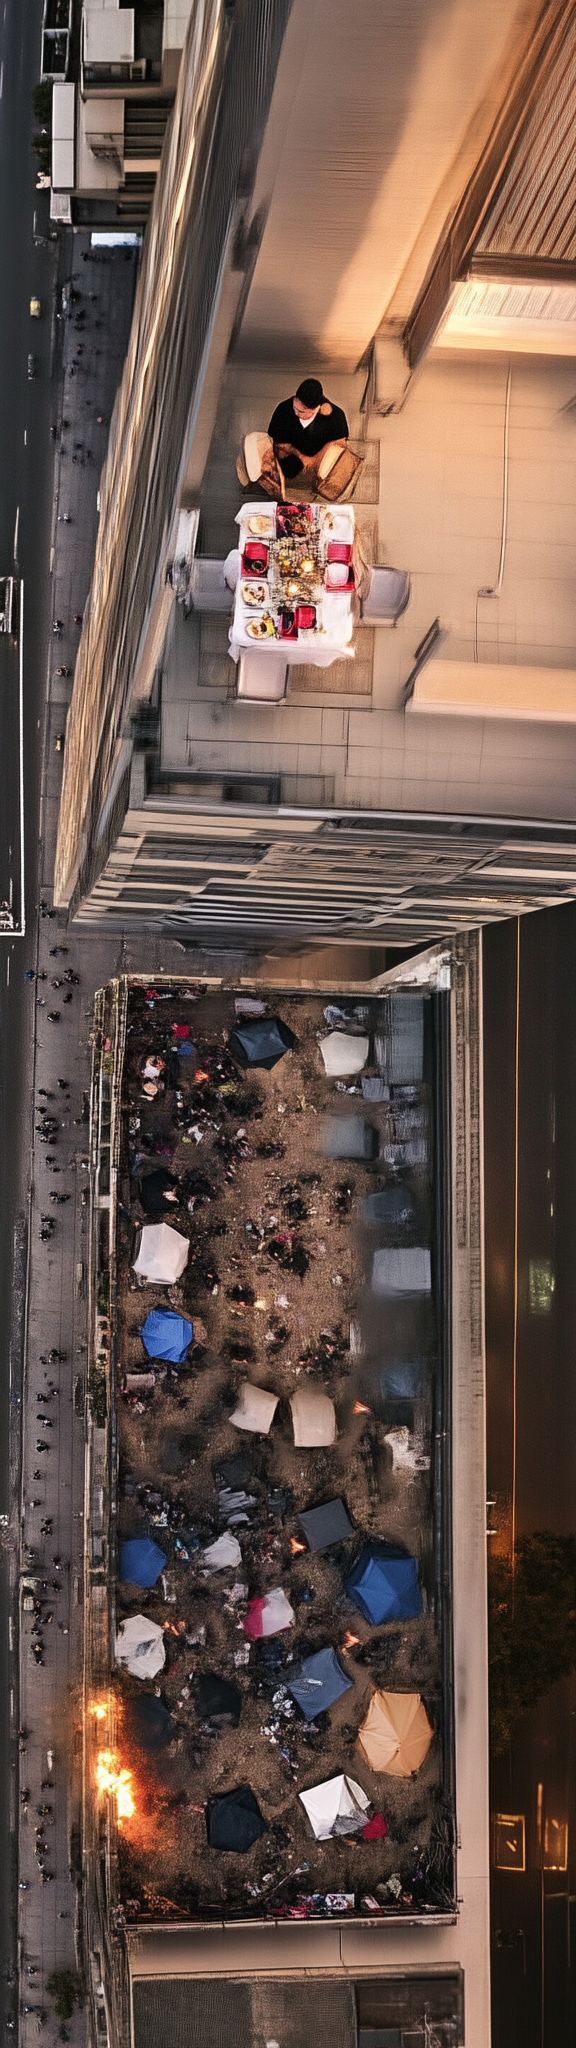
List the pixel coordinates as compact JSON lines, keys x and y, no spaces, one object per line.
{"x":295,"y":593}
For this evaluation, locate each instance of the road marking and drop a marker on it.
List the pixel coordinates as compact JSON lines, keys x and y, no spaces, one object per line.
{"x":10,"y":1633}
{"x":16,"y":536}
{"x":8,"y":970}
{"x":25,"y":437}
{"x":1,"y":80}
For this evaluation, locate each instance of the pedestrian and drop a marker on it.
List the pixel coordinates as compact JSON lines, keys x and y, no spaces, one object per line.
{"x":68,"y":998}
{"x":56,"y":628}
{"x":77,"y":622}
{"x":29,"y":974}
{"x":54,"y":1016}
{"x":62,"y":1084}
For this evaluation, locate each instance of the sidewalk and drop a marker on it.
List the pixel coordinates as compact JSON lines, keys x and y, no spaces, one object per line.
{"x":50,"y":1917}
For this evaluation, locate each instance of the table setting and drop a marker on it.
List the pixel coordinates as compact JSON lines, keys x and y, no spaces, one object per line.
{"x":296,"y":588}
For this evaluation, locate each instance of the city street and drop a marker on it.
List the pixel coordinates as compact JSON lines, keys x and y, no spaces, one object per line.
{"x":530,"y":1150}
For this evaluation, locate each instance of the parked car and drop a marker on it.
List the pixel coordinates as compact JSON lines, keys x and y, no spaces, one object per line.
{"x":35,"y":309}
{"x":32,"y":368}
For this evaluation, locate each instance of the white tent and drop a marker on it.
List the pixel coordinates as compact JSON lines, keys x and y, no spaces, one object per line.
{"x":255,"y":1409}
{"x":338,"y":1807}
{"x":140,"y":1646}
{"x":397,"y":1270}
{"x":313,"y":1418}
{"x":162,"y":1254}
{"x":344,"y":1052}
{"x":221,"y":1554}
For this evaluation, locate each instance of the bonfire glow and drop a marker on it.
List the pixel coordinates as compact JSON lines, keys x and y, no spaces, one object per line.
{"x":348,"y":1641}
{"x":295,"y":1546}
{"x":115,"y":1778}
{"x":98,"y":1710}
{"x":361,"y":1409}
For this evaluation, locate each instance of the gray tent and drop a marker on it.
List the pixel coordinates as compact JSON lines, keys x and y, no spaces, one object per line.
{"x":393,"y":1206}
{"x":325,"y":1525}
{"x":318,"y":1682}
{"x":261,"y":1043}
{"x":349,"y":1137}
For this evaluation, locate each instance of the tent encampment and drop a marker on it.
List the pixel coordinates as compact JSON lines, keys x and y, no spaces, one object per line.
{"x":349,"y":1137}
{"x":313,"y":1418}
{"x":156,"y":1191}
{"x":269,"y":1615}
{"x":141,"y":1562}
{"x":326,"y":1524}
{"x":166,"y":1335}
{"x":255,"y":1409}
{"x":150,"y":1726}
{"x":399,"y":1271}
{"x":396,"y":1734}
{"x":234,"y":1820}
{"x":393,"y":1206}
{"x":218,"y":1700}
{"x":162,"y":1254}
{"x":344,"y":1052}
{"x":220,"y":1555}
{"x":140,"y":1646}
{"x":384,"y":1584}
{"x":338,"y":1807}
{"x":318,"y":1682}
{"x":262,"y":1042}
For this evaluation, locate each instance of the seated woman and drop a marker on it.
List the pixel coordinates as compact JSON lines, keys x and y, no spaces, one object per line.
{"x":306,"y":443}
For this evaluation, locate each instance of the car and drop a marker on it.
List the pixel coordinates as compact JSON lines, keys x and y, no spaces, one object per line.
{"x":32,"y":368}
{"x":35,"y":309}
{"x":59,"y":743}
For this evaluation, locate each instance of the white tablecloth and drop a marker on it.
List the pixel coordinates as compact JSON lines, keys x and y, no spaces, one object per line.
{"x":330,"y":644}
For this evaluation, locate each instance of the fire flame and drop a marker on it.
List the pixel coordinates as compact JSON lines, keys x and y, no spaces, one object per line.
{"x":348,"y":1641}
{"x":361,"y":1409}
{"x":113,"y":1777}
{"x":295,"y":1546}
{"x":98,"y":1710}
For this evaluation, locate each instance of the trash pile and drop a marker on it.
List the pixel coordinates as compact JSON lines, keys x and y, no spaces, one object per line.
{"x":277,"y":1365}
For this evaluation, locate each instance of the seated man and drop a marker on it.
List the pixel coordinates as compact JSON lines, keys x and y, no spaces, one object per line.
{"x":306,"y":443}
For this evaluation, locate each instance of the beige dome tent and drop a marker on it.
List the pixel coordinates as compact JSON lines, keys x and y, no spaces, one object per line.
{"x":162,"y":1254}
{"x":396,"y":1734}
{"x":313,"y":1418}
{"x":140,"y":1646}
{"x":255,"y":1409}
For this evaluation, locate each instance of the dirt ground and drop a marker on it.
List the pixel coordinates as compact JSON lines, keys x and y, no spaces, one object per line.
{"x":277,"y":1288}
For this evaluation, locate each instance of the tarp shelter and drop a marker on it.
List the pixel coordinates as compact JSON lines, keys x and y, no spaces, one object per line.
{"x":166,"y":1335}
{"x":260,"y":1042}
{"x":338,"y":1807}
{"x":162,"y":1254}
{"x":234,"y":1820}
{"x":393,"y":1206}
{"x":220,"y":1555}
{"x":218,"y":1699}
{"x":344,"y":1052}
{"x":396,"y":1735}
{"x":140,"y":1646}
{"x":318,"y":1682}
{"x":255,"y":1409}
{"x":141,"y":1562}
{"x":268,"y":1616}
{"x":152,"y":1725}
{"x":398,"y":1271}
{"x":384,"y":1585}
{"x":327,"y":1524}
{"x":155,"y":1188}
{"x":349,"y":1137}
{"x":313,"y":1418}
{"x":400,"y":1050}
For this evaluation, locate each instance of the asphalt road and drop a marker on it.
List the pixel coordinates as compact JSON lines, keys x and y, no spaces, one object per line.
{"x":26,"y":473}
{"x":530,"y":1164}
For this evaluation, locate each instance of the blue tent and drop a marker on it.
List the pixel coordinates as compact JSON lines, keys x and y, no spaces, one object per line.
{"x":141,"y":1562}
{"x":166,"y":1335}
{"x":317,"y":1682}
{"x":384,"y":1584}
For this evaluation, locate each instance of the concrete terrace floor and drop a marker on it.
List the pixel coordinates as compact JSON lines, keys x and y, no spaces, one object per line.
{"x":439,"y":514}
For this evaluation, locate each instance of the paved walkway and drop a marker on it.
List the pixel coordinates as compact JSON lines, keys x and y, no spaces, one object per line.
{"x":53,"y":1474}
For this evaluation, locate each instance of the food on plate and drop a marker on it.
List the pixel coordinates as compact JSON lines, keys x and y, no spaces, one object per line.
{"x":254,"y":594}
{"x":294,"y":521}
{"x":255,"y":558}
{"x":259,"y":524}
{"x":262,"y":628}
